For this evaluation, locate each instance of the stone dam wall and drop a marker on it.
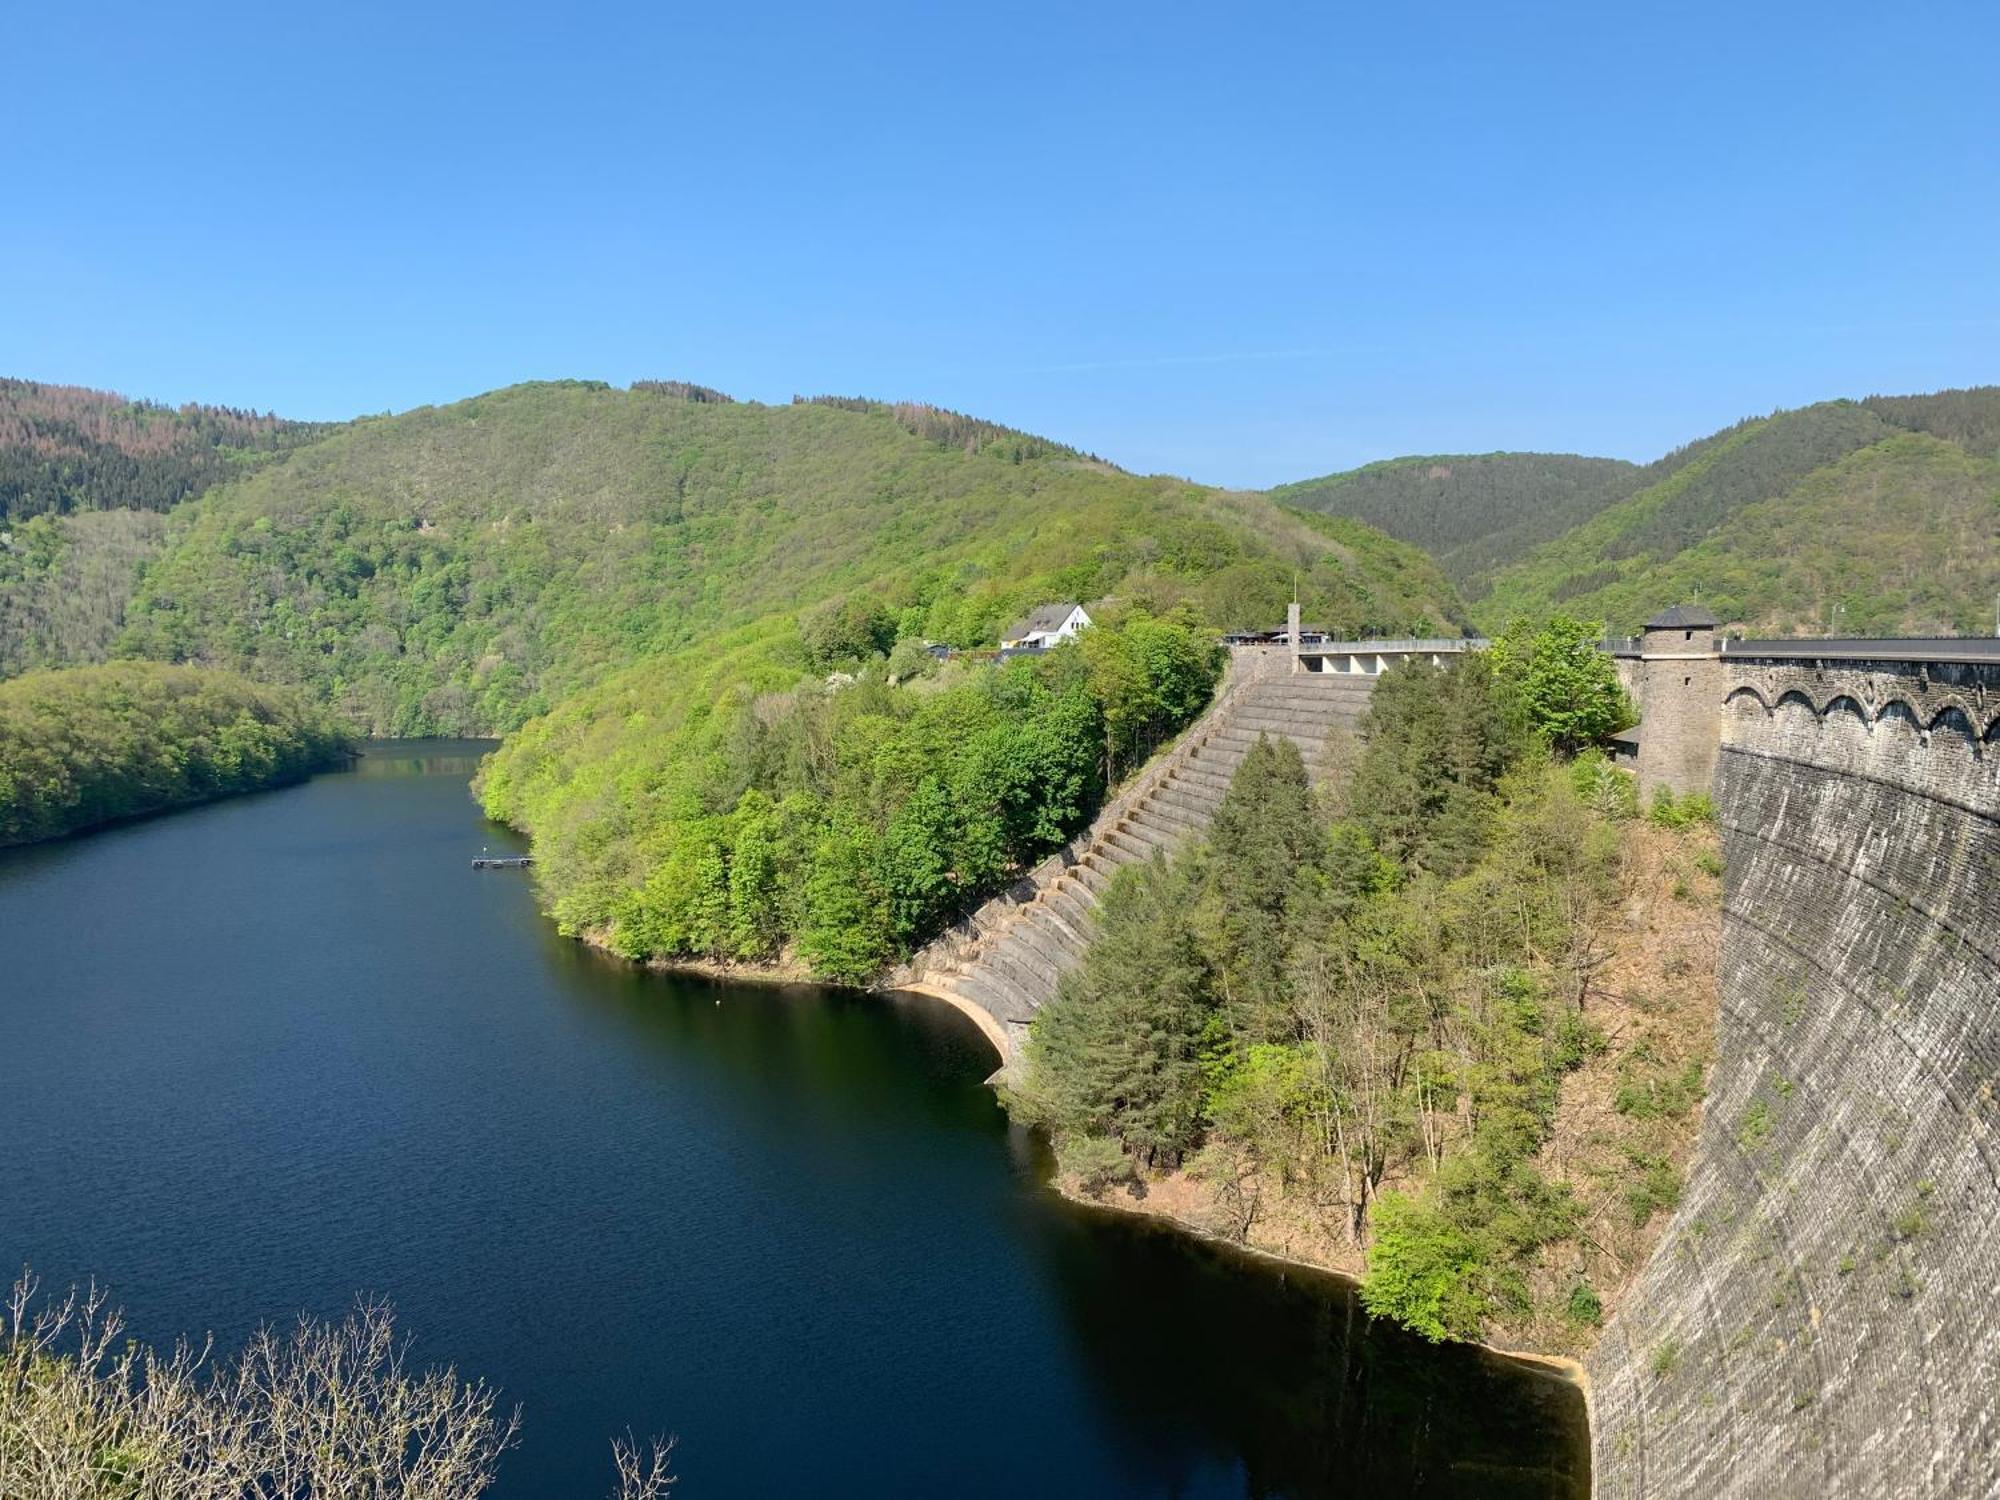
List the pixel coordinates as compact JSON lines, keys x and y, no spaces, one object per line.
{"x":1822,"y":1317}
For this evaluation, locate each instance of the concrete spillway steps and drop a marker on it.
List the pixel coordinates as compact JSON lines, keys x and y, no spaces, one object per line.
{"x":1006,"y":962}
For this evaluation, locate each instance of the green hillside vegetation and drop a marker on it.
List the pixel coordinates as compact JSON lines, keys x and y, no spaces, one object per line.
{"x":716,"y":806}
{"x":1878,"y":516}
{"x":65,"y":448}
{"x":85,"y":477}
{"x":65,"y":581}
{"x":461,"y":569}
{"x":93,"y":744}
{"x":1472,"y":512}
{"x":1368,"y":1004}
{"x":1901,"y":537}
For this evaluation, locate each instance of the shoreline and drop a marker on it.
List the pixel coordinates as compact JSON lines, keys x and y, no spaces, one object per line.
{"x":1570,"y":1369}
{"x":342,"y":761}
{"x":779,"y":974}
{"x":748,"y":971}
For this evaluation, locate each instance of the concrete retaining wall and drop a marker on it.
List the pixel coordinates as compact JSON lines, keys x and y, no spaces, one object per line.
{"x":1821,"y":1317}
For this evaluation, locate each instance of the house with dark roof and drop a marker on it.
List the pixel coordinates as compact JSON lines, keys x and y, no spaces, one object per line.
{"x":1045,"y":625}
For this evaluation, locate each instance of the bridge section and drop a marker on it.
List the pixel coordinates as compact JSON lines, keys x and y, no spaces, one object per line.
{"x":1820,"y":1317}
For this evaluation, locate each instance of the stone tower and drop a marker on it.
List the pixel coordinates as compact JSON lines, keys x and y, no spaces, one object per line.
{"x":1679,"y":689}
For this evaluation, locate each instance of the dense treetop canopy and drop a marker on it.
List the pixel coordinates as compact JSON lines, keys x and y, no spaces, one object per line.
{"x":459,"y":569}
{"x":92,"y":744}
{"x":1473,"y":512}
{"x":65,"y":448}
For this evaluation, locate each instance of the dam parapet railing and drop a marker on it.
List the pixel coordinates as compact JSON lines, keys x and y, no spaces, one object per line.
{"x":1970,"y":649}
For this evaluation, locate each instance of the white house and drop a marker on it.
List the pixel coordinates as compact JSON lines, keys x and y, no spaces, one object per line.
{"x":1046,"y":625}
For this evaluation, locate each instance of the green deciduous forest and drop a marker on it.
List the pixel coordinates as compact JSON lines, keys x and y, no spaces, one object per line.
{"x":1879,"y":516}
{"x":93,"y":744}
{"x":1364,"y":1000}
{"x":464,"y":568}
{"x":648,"y":587}
{"x":64,"y":584}
{"x":835,"y":825}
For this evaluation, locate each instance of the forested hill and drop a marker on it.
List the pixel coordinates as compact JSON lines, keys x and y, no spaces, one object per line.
{"x":90,"y":745}
{"x":1874,"y":517}
{"x":85,"y":477}
{"x":65,"y":448}
{"x":1472,"y":512}
{"x":461,"y":568}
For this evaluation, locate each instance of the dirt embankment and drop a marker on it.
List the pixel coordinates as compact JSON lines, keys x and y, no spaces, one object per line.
{"x":1625,"y":1123}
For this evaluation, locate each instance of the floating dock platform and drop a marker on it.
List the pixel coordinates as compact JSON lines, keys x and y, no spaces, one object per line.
{"x":503,"y":862}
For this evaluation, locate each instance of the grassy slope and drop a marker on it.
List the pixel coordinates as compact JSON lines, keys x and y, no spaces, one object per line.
{"x":463,"y":568}
{"x":1473,"y":512}
{"x":1889,"y":509}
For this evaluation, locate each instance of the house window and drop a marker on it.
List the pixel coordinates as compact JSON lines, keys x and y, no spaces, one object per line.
{"x":1688,"y":636}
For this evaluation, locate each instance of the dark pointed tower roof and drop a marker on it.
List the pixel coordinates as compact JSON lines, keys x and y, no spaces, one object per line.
{"x":1683,"y":617}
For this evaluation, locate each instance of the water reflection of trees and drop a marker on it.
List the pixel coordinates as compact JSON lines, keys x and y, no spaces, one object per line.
{"x":785,"y":1052}
{"x":1215,"y":1371}
{"x":1208,"y":1357}
{"x":421,"y":757}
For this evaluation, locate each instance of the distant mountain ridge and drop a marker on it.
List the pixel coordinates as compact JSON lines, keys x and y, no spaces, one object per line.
{"x":65,"y":448}
{"x":460,"y":568}
{"x":320,"y":560}
{"x":1473,"y":512}
{"x":1876,"y":515}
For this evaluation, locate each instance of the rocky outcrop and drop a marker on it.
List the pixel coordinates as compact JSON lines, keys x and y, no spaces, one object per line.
{"x":1003,"y":964}
{"x":1821,"y":1319}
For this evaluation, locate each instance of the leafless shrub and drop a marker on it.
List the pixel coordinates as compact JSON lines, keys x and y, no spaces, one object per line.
{"x":326,"y":1409}
{"x":642,"y":1474}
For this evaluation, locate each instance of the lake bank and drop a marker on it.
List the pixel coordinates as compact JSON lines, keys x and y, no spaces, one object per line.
{"x":1349,"y":1272}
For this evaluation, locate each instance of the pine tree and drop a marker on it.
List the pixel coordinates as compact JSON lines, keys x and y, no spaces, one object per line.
{"x":1117,"y":1051}
{"x":1266,"y":847}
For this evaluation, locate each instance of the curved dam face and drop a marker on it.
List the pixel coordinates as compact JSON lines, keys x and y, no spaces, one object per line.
{"x":1823,"y":1315}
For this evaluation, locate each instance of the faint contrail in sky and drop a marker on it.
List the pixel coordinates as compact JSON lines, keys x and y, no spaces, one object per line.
{"x":1149,"y":361}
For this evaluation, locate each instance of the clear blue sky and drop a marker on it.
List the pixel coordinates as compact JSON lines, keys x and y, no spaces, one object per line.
{"x":1246,"y":243}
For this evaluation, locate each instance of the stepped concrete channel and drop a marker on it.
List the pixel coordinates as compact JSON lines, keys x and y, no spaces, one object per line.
{"x":1003,"y":964}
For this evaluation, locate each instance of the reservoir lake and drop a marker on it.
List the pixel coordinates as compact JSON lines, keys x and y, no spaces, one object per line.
{"x":266,"y":1054}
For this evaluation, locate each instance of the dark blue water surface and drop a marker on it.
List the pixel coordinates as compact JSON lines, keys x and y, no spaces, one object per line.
{"x":261,"y":1055}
